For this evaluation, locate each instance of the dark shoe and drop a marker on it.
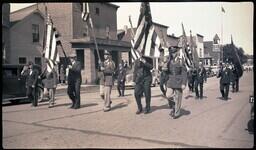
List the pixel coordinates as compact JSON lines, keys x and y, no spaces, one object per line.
{"x":76,"y":107}
{"x":110,"y":102}
{"x":175,"y":117}
{"x":201,"y":97}
{"x":72,"y":106}
{"x":119,"y":95}
{"x":105,"y":109}
{"x":197,"y":97}
{"x":138,"y":112}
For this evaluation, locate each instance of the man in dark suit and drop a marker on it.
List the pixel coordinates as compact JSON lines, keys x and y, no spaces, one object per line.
{"x":224,"y":75}
{"x":31,"y":83}
{"x":74,"y":81}
{"x":143,"y":79}
{"x":199,"y":80}
{"x":177,"y":81}
{"x":121,"y":73}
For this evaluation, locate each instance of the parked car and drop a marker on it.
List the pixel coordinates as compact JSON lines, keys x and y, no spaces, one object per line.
{"x":12,"y":80}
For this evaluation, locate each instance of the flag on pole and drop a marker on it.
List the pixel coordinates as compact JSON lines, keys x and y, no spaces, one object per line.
{"x":146,"y":41}
{"x":222,"y":9}
{"x":85,"y":11}
{"x":50,"y":49}
{"x":186,"y":51}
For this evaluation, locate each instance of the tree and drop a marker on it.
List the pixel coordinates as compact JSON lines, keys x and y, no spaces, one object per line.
{"x":229,"y":51}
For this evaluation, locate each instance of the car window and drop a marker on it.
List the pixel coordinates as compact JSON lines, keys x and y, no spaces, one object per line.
{"x":10,"y":72}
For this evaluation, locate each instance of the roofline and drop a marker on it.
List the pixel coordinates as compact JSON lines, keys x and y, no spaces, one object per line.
{"x":199,"y":35}
{"x":113,"y":5}
{"x":160,"y":25}
{"x":22,"y":9}
{"x":172,"y":36}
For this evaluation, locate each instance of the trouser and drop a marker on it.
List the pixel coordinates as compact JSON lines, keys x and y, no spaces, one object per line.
{"x":163,"y":81}
{"x":107,"y":93}
{"x":102,"y":91}
{"x":200,"y":92}
{"x":31,"y":93}
{"x":74,"y":93}
{"x":224,"y":89}
{"x":237,"y":85}
{"x":140,"y":88}
{"x":121,"y":88}
{"x":176,"y":94}
{"x":193,"y":84}
{"x":190,"y":86}
{"x":52,"y":95}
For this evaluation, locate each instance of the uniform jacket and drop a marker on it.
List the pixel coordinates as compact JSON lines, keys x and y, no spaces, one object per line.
{"x":74,"y":74}
{"x":142,"y":70}
{"x":177,"y":74}
{"x":109,"y":70}
{"x":225,"y":75}
{"x":200,"y":75}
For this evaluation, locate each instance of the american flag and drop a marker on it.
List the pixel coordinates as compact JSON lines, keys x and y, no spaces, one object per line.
{"x":50,"y":45}
{"x":186,"y":52}
{"x":146,"y":41}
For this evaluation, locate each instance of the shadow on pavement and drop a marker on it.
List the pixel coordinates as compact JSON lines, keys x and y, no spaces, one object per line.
{"x":88,"y":105}
{"x":120,"y":105}
{"x":154,"y":108}
{"x":18,"y":103}
{"x":184,"y":112}
{"x":189,"y":96}
{"x":160,"y":95}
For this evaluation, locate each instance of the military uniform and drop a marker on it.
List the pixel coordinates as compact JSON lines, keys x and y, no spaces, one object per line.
{"x":194,"y":74}
{"x":199,"y":81}
{"x":108,"y":71}
{"x":190,"y":84}
{"x":177,"y":77}
{"x":225,"y":76}
{"x":164,"y":75}
{"x":143,"y":79}
{"x":235,"y":84}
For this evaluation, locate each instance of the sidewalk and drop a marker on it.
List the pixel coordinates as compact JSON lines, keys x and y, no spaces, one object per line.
{"x":63,"y":88}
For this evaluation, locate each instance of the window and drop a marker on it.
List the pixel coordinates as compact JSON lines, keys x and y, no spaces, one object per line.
{"x":38,"y":61}
{"x":200,"y":51}
{"x":97,"y":11}
{"x":80,"y":56}
{"x":35,"y":32}
{"x":22,"y":60}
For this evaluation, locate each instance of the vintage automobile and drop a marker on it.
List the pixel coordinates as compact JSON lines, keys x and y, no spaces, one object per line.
{"x":14,"y":89}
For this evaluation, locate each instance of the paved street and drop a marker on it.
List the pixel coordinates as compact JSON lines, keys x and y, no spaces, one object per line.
{"x":210,"y":122}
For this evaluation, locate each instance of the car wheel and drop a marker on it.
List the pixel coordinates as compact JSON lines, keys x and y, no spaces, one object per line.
{"x":40,"y":94}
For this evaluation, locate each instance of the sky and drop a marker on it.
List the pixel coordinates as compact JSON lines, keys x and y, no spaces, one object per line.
{"x":204,"y":18}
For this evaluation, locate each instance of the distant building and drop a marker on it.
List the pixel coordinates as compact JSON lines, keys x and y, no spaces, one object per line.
{"x":212,"y":50}
{"x":27,"y":38}
{"x":76,"y":35}
{"x":5,"y":32}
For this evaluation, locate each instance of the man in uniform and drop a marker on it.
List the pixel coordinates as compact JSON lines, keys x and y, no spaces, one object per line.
{"x":121,"y":73}
{"x":194,"y":74}
{"x":74,"y":81}
{"x":224,"y":75}
{"x":101,"y":76}
{"x":235,"y":86}
{"x":108,"y":69}
{"x":143,"y":78}
{"x":199,"y":80}
{"x":177,"y":81}
{"x":164,"y":74}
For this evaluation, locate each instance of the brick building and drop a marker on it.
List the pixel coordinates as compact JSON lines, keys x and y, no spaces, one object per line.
{"x":76,"y":35}
{"x":5,"y":32}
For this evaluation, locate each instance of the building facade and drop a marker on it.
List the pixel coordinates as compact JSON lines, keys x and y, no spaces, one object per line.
{"x":26,"y":36}
{"x":77,"y":36}
{"x":5,"y":32}
{"x":212,"y":50}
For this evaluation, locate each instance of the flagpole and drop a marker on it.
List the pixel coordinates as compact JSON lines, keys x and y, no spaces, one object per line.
{"x":222,"y":59}
{"x":94,"y":38}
